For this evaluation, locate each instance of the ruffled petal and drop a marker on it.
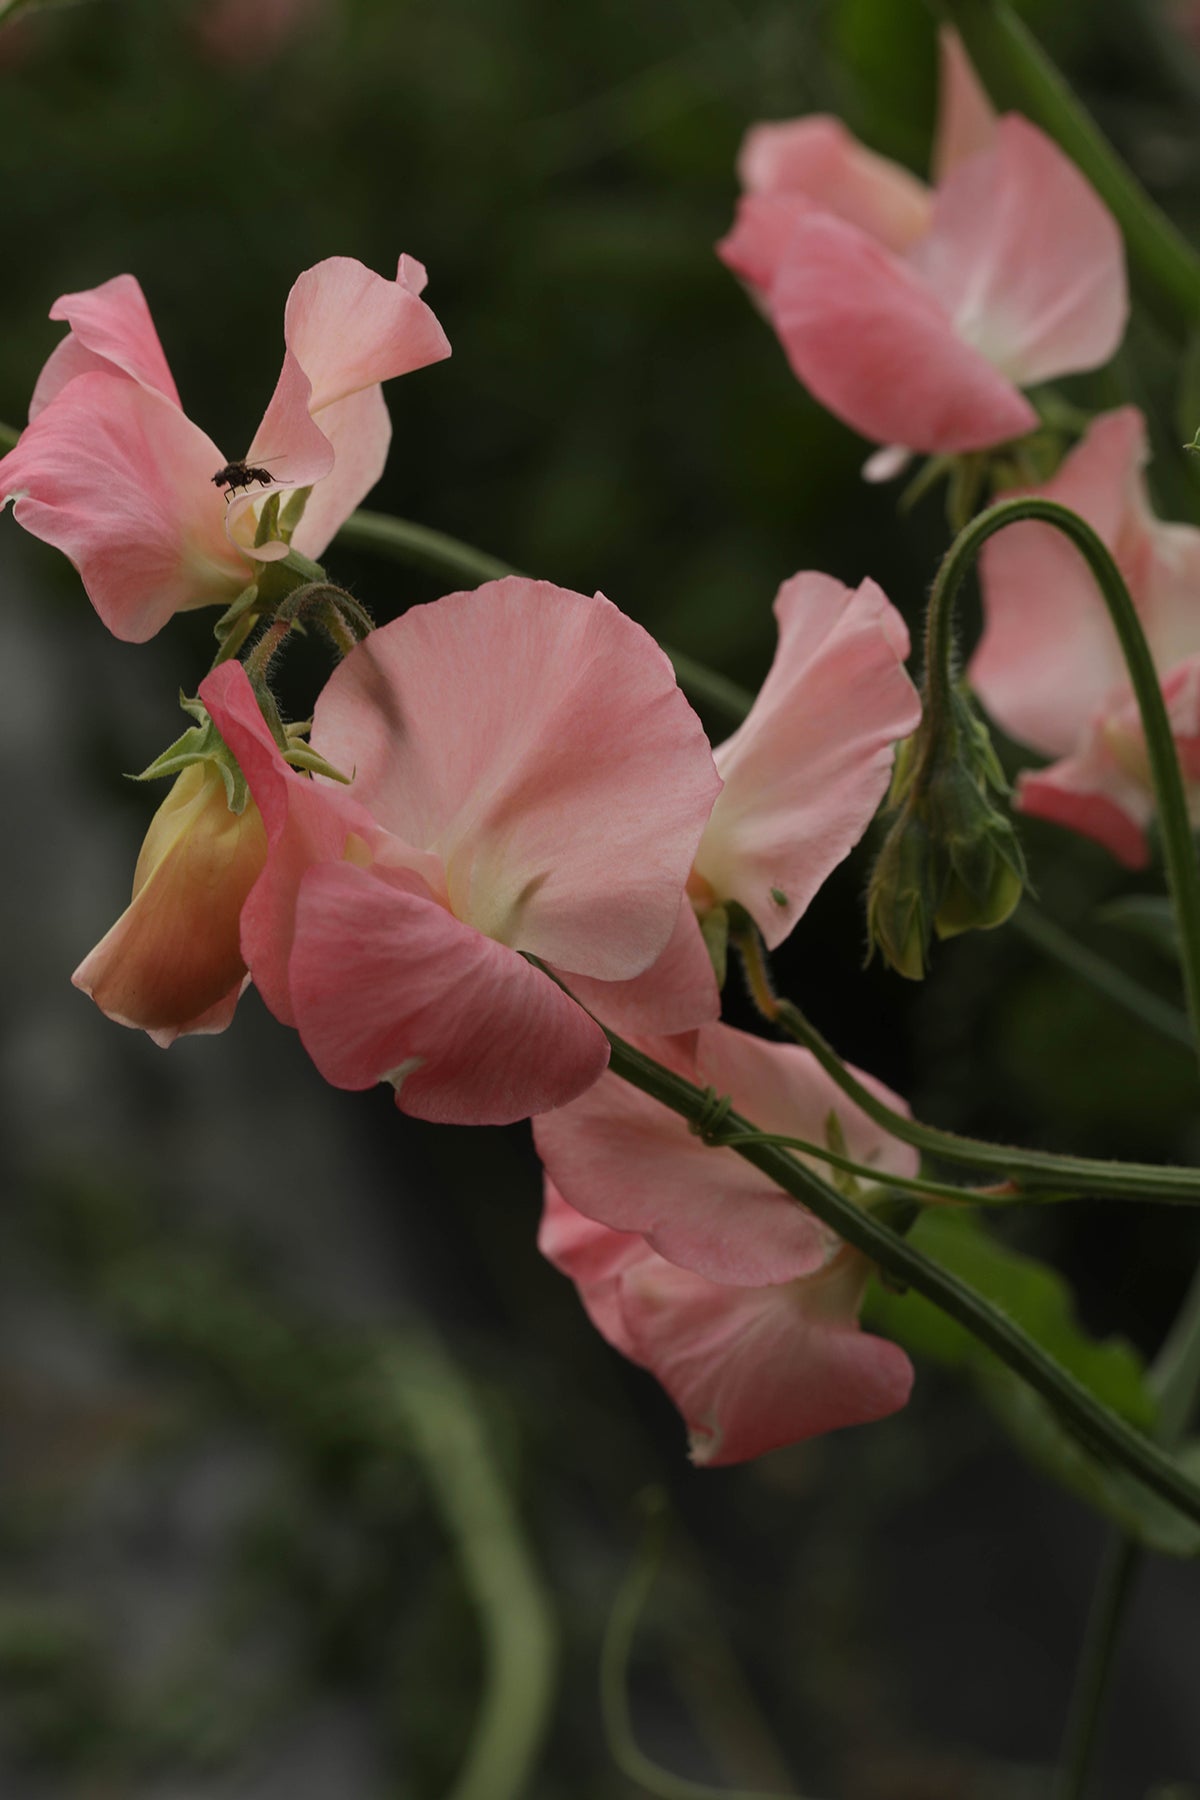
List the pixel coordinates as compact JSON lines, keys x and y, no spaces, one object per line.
{"x":878,"y":348}
{"x":389,"y":986}
{"x":350,"y":328}
{"x":536,"y":742}
{"x":1026,"y":259}
{"x":817,"y":157}
{"x":119,"y":479}
{"x":806,"y":771}
{"x":112,"y":333}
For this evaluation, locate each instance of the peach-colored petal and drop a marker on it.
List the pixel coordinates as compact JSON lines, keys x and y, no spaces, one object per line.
{"x":1049,"y":654}
{"x":750,"y":1369}
{"x":676,"y":993}
{"x":112,"y":333}
{"x":1026,"y":259}
{"x":118,"y":478}
{"x":535,"y":741}
{"x":878,"y":347}
{"x":388,"y":985}
{"x":350,"y":328}
{"x":625,"y":1161}
{"x":818,"y":158}
{"x":172,"y":963}
{"x":966,"y":120}
{"x":807,"y":769}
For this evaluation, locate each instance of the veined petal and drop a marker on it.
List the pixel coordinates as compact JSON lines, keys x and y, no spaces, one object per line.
{"x":350,"y":328}
{"x":118,"y":478}
{"x":388,"y":985}
{"x":625,"y":1161}
{"x":1026,"y":258}
{"x":676,"y":993}
{"x":816,"y":156}
{"x":359,"y":431}
{"x":291,"y":447}
{"x":877,"y":348}
{"x":535,"y":741}
{"x":111,"y":332}
{"x":807,"y":769}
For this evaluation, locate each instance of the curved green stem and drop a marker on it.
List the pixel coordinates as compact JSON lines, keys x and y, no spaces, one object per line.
{"x":1179,"y":851}
{"x":1017,"y":73}
{"x":1140,"y":1002}
{"x":878,"y":1178}
{"x":515,"y":1614}
{"x":1100,"y":1431}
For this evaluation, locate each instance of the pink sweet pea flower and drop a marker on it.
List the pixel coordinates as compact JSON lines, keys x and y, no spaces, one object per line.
{"x":697,"y":1267}
{"x":750,"y":1369}
{"x":172,"y":963}
{"x":528,"y":781}
{"x":1049,"y":667}
{"x":624,"y":1160}
{"x":917,"y":316}
{"x":807,"y":769}
{"x":113,"y":473}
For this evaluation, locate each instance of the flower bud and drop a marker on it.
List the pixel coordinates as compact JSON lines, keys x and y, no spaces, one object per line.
{"x":952,"y":861}
{"x":172,"y":963}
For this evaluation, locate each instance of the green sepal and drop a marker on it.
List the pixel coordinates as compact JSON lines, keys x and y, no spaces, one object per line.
{"x":200,"y":743}
{"x":714,"y":929}
{"x":301,"y":757}
{"x":267,"y":529}
{"x":234,"y":615}
{"x":292,"y":511}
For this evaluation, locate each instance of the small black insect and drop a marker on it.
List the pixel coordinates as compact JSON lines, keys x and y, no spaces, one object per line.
{"x":234,"y":475}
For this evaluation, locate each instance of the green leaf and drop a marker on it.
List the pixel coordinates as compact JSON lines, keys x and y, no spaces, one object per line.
{"x":1040,"y":1301}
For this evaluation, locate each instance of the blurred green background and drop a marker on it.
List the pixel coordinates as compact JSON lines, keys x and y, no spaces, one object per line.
{"x":228,"y":1566}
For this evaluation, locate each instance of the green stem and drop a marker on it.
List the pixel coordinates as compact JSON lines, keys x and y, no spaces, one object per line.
{"x":1031,"y":1170}
{"x":878,"y":1178}
{"x":1100,"y":1431}
{"x":1114,"y":1586}
{"x":441,"y":1414}
{"x":1049,"y":937}
{"x":1179,"y":851}
{"x":1017,"y":73}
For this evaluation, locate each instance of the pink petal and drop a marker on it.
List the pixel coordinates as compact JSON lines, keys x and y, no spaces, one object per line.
{"x":116,"y":477}
{"x":535,"y":741}
{"x":350,"y":328}
{"x":966,"y":118}
{"x":307,"y":822}
{"x":817,"y":157}
{"x":752,"y":1369}
{"x":878,"y":348}
{"x":676,"y":993}
{"x":1026,"y":259}
{"x":1049,"y":654}
{"x":360,"y":431}
{"x":1093,"y":794}
{"x":111,"y":333}
{"x":807,"y":769}
{"x":291,"y":447}
{"x":388,"y":985}
{"x":758,"y":243}
{"x":627,"y":1162}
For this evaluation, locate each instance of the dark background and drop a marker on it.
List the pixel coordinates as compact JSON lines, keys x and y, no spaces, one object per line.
{"x":224,"y":1569}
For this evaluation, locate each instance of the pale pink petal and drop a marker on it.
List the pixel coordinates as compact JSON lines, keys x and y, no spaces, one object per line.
{"x":966,"y":118}
{"x":752,"y":1369}
{"x":117,"y":478}
{"x":1093,"y":793}
{"x":676,"y":993}
{"x":111,"y":332}
{"x":626,"y":1161}
{"x":388,"y":985}
{"x":359,"y":430}
{"x":291,"y":447}
{"x":1181,"y":692}
{"x":536,"y":742}
{"x":593,"y":1257}
{"x":1026,"y":259}
{"x":412,"y":274}
{"x":350,"y":328}
{"x":757,"y":245}
{"x":817,"y":157}
{"x":879,"y":349}
{"x":807,"y":769}
{"x":1049,"y":653}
